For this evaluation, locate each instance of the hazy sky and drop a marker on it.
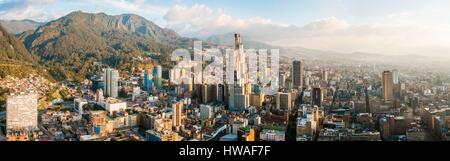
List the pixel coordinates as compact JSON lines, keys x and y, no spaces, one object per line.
{"x":377,"y":26}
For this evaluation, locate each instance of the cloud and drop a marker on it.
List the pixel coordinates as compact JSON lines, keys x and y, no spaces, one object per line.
{"x":399,"y":33}
{"x":45,"y":10}
{"x":200,"y":20}
{"x":406,"y":32}
{"x":26,"y":9}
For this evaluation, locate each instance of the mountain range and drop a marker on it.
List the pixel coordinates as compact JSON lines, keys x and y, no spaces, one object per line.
{"x":15,"y":60}
{"x":68,"y":46}
{"x":19,"y":26}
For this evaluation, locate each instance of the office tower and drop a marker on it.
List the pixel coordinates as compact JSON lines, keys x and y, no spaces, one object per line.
{"x":206,"y":112}
{"x":157,"y":76}
{"x":284,"y":101}
{"x":220,"y":93}
{"x":325,"y":75}
{"x":396,"y":84}
{"x":366,"y":93}
{"x":282,"y":80}
{"x":239,"y":89}
{"x":206,"y":95}
{"x":176,"y":118}
{"x":297,"y":75}
{"x":291,"y":127}
{"x":256,"y":100}
{"x":21,"y":112}
{"x":242,"y":101}
{"x":98,"y":120}
{"x":148,"y":81}
{"x":157,"y":71}
{"x":388,"y":91}
{"x":317,"y":96}
{"x":214,"y":88}
{"x":111,"y":78}
{"x":395,"y":76}
{"x":307,"y":78}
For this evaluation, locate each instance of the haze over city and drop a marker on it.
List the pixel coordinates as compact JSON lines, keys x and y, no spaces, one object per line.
{"x":382,"y":27}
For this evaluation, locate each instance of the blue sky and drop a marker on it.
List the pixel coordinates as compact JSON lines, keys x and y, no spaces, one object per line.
{"x":297,"y":12}
{"x":378,"y":26}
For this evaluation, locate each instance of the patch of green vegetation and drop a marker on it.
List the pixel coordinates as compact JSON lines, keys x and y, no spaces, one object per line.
{"x":274,"y":127}
{"x":246,"y":128}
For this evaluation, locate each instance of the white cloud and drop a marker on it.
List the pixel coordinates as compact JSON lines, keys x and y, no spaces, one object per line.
{"x":45,"y":10}
{"x":200,"y":20}
{"x":400,"y":33}
{"x":26,"y":9}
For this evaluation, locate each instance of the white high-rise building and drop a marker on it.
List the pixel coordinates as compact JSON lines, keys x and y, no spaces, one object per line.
{"x":395,"y":76}
{"x":238,"y":84}
{"x":22,"y":112}
{"x":111,"y":78}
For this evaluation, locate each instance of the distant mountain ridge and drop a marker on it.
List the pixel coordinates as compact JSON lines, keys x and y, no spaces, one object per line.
{"x":18,"y":26}
{"x":228,"y":40}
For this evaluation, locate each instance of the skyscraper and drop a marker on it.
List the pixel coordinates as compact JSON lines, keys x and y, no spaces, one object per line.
{"x":111,"y":78}
{"x":395,"y":76}
{"x":157,"y":71}
{"x":297,"y":74}
{"x":157,"y":76}
{"x":176,"y":118}
{"x":284,"y":101}
{"x":387,"y":82}
{"x":325,"y":75}
{"x":317,"y":96}
{"x":282,"y":80}
{"x":206,"y":112}
{"x":396,"y":84}
{"x":148,"y":81}
{"x":239,"y":88}
{"x":21,"y":112}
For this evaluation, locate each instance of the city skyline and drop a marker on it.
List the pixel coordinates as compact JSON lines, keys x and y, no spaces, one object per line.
{"x":146,"y":76}
{"x":419,"y":28}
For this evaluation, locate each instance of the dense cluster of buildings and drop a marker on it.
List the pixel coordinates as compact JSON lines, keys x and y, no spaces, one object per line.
{"x":328,"y":102}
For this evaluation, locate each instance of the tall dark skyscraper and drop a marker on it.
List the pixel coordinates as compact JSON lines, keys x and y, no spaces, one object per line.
{"x":291,"y":127}
{"x":366,"y":93}
{"x":297,"y":74}
{"x":317,"y":96}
